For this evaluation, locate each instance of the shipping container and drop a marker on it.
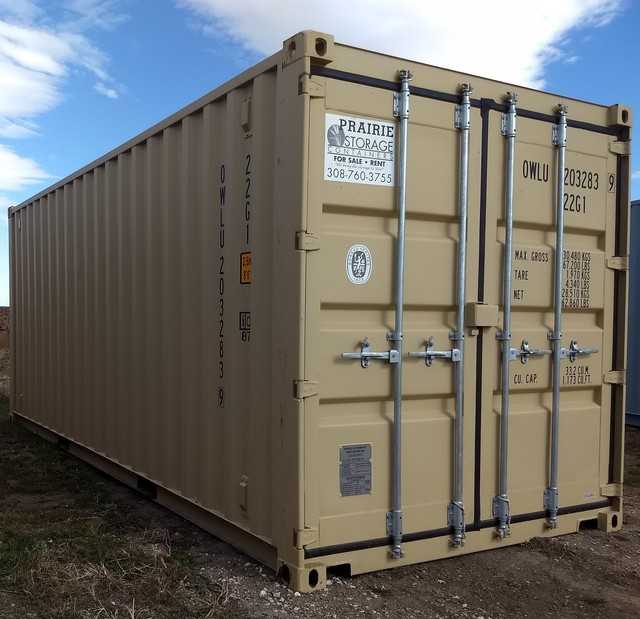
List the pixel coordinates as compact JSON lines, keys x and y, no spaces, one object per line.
{"x":346,"y":311}
{"x":633,"y":397}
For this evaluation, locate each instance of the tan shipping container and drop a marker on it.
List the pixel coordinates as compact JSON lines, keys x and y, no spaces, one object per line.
{"x":181,"y":310}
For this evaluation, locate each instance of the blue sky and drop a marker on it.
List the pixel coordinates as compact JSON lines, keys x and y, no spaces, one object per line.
{"x":79,"y":77}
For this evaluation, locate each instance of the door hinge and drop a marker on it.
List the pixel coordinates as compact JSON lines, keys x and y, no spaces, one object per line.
{"x":611,"y":490}
{"x":245,"y":115}
{"x":308,"y":86}
{"x":618,"y":263}
{"x":615,"y":377}
{"x":303,"y":537}
{"x":620,"y":148}
{"x":307,"y":241}
{"x":508,"y":125}
{"x":304,"y":389}
{"x":462,"y":116}
{"x":244,"y":493}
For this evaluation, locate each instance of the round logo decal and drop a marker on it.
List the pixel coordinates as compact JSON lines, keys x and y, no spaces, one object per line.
{"x":359,"y":264}
{"x":336,"y":135}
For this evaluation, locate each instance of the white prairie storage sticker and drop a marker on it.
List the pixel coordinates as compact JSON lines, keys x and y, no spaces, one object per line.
{"x":359,"y":150}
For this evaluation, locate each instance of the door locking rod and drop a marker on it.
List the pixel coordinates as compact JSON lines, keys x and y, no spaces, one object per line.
{"x":501,"y":504}
{"x":455,"y":509}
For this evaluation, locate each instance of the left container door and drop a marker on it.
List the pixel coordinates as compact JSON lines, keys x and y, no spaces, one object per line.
{"x":350,"y":305}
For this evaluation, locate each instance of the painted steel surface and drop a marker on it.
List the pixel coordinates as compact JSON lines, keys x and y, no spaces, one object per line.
{"x":181,"y":306}
{"x":633,"y":358}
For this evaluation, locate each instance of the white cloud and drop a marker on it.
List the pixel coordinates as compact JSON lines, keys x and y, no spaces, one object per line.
{"x":102,"y":14}
{"x":17,"y":173}
{"x":5,"y":203}
{"x":103,"y":89}
{"x":508,"y":41}
{"x":33,"y":64}
{"x":23,"y":10}
{"x":636,"y":175}
{"x":36,"y":58}
{"x":17,"y":129}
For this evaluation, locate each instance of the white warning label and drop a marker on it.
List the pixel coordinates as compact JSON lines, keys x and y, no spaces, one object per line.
{"x":359,"y":150}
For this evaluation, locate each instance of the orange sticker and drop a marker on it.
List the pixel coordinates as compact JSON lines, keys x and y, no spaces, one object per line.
{"x":245,"y":268}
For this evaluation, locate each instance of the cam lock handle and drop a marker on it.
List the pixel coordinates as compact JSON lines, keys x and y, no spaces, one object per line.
{"x":525,"y":352}
{"x":429,"y":353}
{"x":575,"y":351}
{"x":365,"y":354}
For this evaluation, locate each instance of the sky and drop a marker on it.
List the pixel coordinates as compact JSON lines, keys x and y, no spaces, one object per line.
{"x":79,"y":77}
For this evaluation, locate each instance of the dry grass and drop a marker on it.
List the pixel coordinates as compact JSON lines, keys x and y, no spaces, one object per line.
{"x":69,"y":547}
{"x":76,"y":544}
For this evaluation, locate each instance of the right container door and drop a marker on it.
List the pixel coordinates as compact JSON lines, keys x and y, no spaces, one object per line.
{"x":588,"y":312}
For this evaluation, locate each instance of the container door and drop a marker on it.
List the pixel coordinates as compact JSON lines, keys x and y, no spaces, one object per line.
{"x":633,"y":387}
{"x":589,"y":185}
{"x":352,"y":214}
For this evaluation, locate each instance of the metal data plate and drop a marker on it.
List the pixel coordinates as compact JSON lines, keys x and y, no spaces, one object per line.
{"x":355,"y":469}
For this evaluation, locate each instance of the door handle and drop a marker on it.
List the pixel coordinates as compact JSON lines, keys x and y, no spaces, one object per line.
{"x":525,"y":352}
{"x":365,"y":354}
{"x":429,"y":353}
{"x":575,"y":351}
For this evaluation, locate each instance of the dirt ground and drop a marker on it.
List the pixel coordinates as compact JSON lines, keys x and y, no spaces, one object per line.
{"x":74,"y":543}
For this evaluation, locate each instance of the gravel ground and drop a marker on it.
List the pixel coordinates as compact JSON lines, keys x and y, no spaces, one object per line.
{"x":74,"y":543}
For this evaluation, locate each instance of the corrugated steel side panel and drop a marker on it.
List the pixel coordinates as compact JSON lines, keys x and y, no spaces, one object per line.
{"x":134,"y":335}
{"x":633,"y":357}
